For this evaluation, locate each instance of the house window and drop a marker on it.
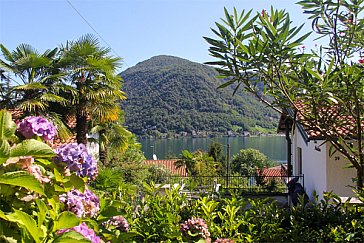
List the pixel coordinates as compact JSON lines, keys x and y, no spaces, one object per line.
{"x":299,"y":161}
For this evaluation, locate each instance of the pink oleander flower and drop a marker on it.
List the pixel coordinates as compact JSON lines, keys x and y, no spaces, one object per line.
{"x":84,"y":230}
{"x":195,"y":226}
{"x":263,"y":12}
{"x":118,"y":222}
{"x":84,"y":204}
{"x":361,"y":61}
{"x":37,"y":126}
{"x":78,"y":159}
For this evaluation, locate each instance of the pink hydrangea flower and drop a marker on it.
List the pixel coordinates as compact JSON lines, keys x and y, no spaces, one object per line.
{"x":118,"y":222}
{"x":27,"y":163}
{"x":84,"y":230}
{"x":195,"y":226}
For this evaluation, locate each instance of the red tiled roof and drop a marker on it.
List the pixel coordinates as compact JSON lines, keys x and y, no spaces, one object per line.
{"x":169,"y":164}
{"x":330,"y":119}
{"x":276,"y":171}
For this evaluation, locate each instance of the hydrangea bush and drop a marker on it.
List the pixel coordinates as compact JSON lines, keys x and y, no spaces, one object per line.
{"x":44,"y":195}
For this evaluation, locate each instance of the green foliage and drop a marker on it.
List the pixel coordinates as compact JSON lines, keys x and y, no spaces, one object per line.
{"x":198,"y":163}
{"x":156,"y":217}
{"x":29,"y":208}
{"x":184,"y":98}
{"x":216,"y":151}
{"x":248,"y":161}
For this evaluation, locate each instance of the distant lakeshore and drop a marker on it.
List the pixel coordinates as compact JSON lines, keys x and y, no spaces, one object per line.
{"x":205,"y":134}
{"x":272,"y":145}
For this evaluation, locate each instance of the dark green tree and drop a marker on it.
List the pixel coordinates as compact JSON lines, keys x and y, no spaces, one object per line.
{"x":216,"y":151}
{"x":249,"y":161}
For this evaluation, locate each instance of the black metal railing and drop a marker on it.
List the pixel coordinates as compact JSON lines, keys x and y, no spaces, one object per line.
{"x":243,"y":184}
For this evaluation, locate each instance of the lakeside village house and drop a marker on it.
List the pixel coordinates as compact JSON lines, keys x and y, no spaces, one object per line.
{"x":308,"y":155}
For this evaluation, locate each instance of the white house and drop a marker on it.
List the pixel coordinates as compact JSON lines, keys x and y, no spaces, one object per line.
{"x":308,"y":154}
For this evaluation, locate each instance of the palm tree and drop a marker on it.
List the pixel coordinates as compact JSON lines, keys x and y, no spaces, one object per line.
{"x":91,"y":71}
{"x":37,"y":80}
{"x":111,"y":135}
{"x":189,"y":161}
{"x":33,"y":83}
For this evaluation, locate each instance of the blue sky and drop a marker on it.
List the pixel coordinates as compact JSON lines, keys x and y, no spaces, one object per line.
{"x":135,"y":29}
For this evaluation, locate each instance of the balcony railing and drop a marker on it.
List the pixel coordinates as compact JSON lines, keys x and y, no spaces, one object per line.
{"x":242,"y":184}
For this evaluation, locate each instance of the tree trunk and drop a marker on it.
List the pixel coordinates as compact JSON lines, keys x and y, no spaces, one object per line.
{"x":81,"y":128}
{"x":103,"y":153}
{"x":360,"y":179}
{"x":103,"y":156}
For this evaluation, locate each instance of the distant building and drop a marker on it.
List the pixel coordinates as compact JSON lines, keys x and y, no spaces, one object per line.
{"x":168,"y":164}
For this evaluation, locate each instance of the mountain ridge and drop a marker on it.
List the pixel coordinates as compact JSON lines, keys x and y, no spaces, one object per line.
{"x":171,"y":95}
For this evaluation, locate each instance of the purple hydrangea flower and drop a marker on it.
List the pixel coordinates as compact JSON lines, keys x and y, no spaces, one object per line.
{"x":195,"y":226}
{"x":82,"y":204}
{"x":83,"y":230}
{"x":78,"y":159}
{"x":37,"y":125}
{"x":119,"y":222}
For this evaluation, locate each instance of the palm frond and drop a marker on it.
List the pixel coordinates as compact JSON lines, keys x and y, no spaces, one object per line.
{"x":30,"y":86}
{"x":6,"y":53}
{"x":32,"y":105}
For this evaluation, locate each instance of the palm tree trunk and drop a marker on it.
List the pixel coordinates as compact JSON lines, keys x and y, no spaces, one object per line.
{"x":103,"y":156}
{"x":81,"y":128}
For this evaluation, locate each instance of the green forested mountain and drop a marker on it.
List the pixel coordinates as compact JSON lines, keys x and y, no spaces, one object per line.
{"x":167,"y":94}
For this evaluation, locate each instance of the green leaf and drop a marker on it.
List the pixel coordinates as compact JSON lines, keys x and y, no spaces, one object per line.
{"x":43,"y":210}
{"x":71,"y":237}
{"x":66,"y":220}
{"x":22,"y":179}
{"x":74,"y":182}
{"x":32,"y":147}
{"x":314,"y":73}
{"x":3,"y":215}
{"x":28,"y":222}
{"x":4,"y":150}
{"x":7,"y":126}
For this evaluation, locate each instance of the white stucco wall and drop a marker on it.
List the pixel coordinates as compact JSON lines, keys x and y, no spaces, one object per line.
{"x":340,"y":179}
{"x":313,"y":164}
{"x":322,"y":173}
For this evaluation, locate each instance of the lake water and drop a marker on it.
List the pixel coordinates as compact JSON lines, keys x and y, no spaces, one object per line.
{"x":274,"y":147}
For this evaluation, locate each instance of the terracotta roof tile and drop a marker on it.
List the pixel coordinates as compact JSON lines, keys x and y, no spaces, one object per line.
{"x":330,"y":119}
{"x":277,"y":171}
{"x":169,"y":164}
